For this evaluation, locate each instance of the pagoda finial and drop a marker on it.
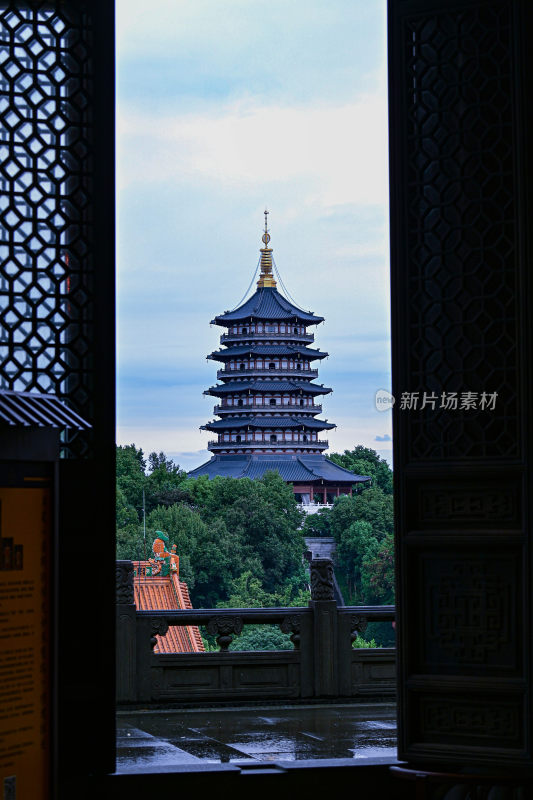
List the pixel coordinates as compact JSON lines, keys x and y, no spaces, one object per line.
{"x":266,"y":278}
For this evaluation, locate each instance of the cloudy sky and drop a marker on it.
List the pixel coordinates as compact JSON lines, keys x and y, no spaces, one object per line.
{"x":226,"y":107}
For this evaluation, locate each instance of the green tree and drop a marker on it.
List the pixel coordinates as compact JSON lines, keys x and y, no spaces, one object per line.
{"x":125,"y":513}
{"x":129,"y":533}
{"x":216,"y":560}
{"x":263,"y":516}
{"x":164,"y":482}
{"x":248,"y":592}
{"x":261,"y":637}
{"x":352,"y":547}
{"x":365,"y":461}
{"x":205,"y":551}
{"x":372,"y":506}
{"x":318,"y":524}
{"x":363,"y":528}
{"x":223,"y":529}
{"x":378,"y":570}
{"x":130,"y":543}
{"x":361,"y":643}
{"x":131,"y":478}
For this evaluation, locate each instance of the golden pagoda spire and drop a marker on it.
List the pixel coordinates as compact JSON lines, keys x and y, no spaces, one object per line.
{"x":266,"y":278}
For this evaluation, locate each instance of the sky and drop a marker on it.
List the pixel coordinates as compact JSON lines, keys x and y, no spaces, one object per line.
{"x":225,"y":108}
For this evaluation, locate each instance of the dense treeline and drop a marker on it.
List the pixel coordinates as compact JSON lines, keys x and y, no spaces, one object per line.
{"x":224,"y":529}
{"x":363,"y":528}
{"x":241,"y":542}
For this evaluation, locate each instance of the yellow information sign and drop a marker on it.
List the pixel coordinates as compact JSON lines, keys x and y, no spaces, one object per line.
{"x":25,"y":530}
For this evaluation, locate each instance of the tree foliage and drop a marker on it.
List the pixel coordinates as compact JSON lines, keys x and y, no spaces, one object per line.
{"x":261,"y":637}
{"x":318,"y":524}
{"x":365,"y":461}
{"x":224,"y":528}
{"x":241,"y":542}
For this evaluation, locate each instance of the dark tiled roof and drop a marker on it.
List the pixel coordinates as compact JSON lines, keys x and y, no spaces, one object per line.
{"x":266,"y":304}
{"x":269,"y":422}
{"x":329,"y":470}
{"x":290,"y":471}
{"x":30,"y":409}
{"x":302,"y":469}
{"x":266,"y":350}
{"x":267,"y":386}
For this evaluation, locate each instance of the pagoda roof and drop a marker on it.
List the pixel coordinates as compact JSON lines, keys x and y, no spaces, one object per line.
{"x":267,"y":304}
{"x":267,"y":386}
{"x":266,"y":350}
{"x":269,"y":422}
{"x":293,"y":469}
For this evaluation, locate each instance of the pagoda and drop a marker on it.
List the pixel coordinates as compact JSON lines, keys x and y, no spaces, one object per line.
{"x":268,"y":415}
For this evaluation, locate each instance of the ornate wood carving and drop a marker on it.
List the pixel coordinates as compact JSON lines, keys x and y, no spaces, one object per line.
{"x":158,"y":627}
{"x":124,"y":583}
{"x":458,"y":504}
{"x":460,"y":215}
{"x":470,"y":613}
{"x":358,"y":625}
{"x":223,"y":628}
{"x":460,"y":92}
{"x":322,"y":587}
{"x":292,"y":625}
{"x":474,"y":720}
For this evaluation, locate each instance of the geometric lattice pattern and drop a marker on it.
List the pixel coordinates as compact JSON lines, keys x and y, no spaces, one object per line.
{"x":461,"y":229}
{"x":472,"y":616}
{"x":46,"y":310}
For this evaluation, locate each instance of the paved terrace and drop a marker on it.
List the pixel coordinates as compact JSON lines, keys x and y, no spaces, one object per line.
{"x":150,"y":739}
{"x":321,"y":700}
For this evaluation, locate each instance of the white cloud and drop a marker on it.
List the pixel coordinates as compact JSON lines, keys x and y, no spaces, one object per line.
{"x":340,"y":151}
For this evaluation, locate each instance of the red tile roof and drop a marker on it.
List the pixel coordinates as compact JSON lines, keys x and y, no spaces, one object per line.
{"x":155,"y":593}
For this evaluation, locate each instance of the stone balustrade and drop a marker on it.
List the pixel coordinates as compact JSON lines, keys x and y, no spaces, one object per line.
{"x":322,"y":664}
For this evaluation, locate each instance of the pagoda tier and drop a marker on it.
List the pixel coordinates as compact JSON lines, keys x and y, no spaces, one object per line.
{"x":266,"y":352}
{"x":288,"y":388}
{"x":268,"y":411}
{"x":269,"y":307}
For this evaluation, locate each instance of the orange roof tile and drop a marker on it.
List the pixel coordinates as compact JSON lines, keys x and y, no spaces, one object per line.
{"x":155,"y":593}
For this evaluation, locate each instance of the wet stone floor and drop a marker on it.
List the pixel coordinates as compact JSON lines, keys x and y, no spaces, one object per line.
{"x":147,"y":739}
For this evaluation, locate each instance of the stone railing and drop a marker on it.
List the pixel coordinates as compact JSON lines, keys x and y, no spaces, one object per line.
{"x":322,"y":663}
{"x":312,"y":508}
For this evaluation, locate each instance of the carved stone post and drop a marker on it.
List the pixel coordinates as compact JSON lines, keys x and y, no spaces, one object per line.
{"x":224,"y":627}
{"x":126,"y":633}
{"x":325,"y":627}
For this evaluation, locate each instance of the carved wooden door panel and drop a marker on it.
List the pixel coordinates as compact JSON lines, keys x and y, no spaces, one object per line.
{"x":460,"y":98}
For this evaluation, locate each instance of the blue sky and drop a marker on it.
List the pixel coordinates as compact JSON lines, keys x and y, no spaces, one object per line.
{"x":225,"y":108}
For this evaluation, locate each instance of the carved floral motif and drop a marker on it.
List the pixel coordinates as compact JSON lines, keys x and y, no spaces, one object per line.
{"x":223,"y":627}
{"x":322,"y":579}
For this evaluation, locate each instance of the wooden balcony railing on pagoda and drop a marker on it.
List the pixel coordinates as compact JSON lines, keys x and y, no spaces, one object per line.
{"x":284,"y":408}
{"x":239,"y":337}
{"x":262,"y":444}
{"x":321,"y":664}
{"x":270,"y":373}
